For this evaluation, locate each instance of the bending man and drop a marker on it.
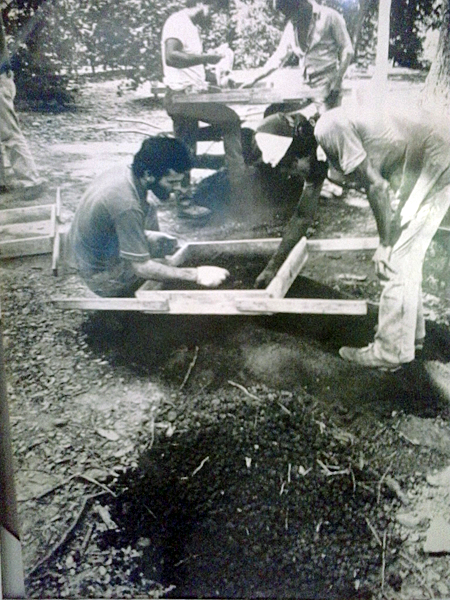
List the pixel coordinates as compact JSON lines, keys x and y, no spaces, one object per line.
{"x":115,"y":237}
{"x":409,"y":154}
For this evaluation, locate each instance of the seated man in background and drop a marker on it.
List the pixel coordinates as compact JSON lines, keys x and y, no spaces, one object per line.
{"x":184,"y":72}
{"x":115,"y":237}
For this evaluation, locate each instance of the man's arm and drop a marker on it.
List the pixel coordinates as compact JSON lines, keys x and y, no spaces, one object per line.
{"x":179,"y":59}
{"x":296,"y":229}
{"x":346,"y":52}
{"x":377,"y":189}
{"x":205,"y":276}
{"x":278,"y":58}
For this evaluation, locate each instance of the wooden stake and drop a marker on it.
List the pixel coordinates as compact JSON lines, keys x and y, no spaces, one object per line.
{"x":288,"y":271}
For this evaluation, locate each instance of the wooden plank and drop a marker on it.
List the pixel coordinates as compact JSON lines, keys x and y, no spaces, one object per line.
{"x":235,"y":304}
{"x":270,"y":92}
{"x":264,"y":246}
{"x":201,"y":302}
{"x":203,"y":295}
{"x":180,"y":256}
{"x":303,"y":305}
{"x":25,"y":214}
{"x":343,"y":244}
{"x":257,"y":95}
{"x":289,"y":270}
{"x":34,"y":245}
{"x":132,"y":304}
{"x":267,"y":246}
{"x":17,"y":231}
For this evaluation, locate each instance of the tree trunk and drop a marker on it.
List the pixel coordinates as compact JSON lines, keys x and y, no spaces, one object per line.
{"x":436,"y":92}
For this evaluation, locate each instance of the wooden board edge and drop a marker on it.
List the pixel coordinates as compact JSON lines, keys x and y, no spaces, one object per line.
{"x":289,"y":270}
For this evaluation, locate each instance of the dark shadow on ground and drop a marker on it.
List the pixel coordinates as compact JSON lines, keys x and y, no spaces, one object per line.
{"x":283,"y":351}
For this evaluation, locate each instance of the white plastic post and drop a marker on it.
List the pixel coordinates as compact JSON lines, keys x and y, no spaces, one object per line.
{"x":12,"y":581}
{"x":382,"y":58}
{"x":11,"y":567}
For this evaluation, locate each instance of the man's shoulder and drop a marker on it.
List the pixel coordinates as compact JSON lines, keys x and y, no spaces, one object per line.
{"x":113,"y":186}
{"x":175,"y":18}
{"x":331,"y":121}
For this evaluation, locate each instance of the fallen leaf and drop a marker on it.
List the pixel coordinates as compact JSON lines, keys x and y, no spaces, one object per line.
{"x":109,"y":434}
{"x":103,"y":512}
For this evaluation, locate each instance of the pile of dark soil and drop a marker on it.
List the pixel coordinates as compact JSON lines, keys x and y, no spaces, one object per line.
{"x":264,"y":498}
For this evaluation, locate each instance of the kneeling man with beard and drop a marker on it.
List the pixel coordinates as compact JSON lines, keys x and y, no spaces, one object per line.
{"x":115,"y":237}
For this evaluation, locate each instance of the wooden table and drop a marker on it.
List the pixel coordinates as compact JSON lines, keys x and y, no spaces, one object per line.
{"x":284,"y":85}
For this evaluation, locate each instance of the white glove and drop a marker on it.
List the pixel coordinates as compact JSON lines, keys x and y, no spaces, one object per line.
{"x":211,"y":276}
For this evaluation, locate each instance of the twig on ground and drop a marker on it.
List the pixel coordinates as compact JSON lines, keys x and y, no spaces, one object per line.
{"x":111,"y":130}
{"x":65,"y":537}
{"x":284,"y":409}
{"x":149,"y":510}
{"x":87,"y":538}
{"x":140,"y":121}
{"x":182,"y":561}
{"x":200,"y":466}
{"x":152,"y":434}
{"x":330,"y":470}
{"x":374,"y":532}
{"x":353,"y":478}
{"x":395,"y":487}
{"x":383,"y":562}
{"x":243,"y":389}
{"x":191,"y":366}
{"x":71,"y":478}
{"x":380,"y":483}
{"x":95,"y":482}
{"x":388,"y":481}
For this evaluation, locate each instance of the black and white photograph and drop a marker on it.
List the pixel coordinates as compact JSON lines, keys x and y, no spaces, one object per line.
{"x":225,"y":299}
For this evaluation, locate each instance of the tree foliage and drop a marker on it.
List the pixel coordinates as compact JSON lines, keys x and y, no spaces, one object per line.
{"x":53,"y":41}
{"x":436,"y":93}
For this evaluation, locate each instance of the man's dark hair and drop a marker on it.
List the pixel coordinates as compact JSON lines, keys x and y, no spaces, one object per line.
{"x":158,"y":155}
{"x":304,"y":144}
{"x":286,"y":5}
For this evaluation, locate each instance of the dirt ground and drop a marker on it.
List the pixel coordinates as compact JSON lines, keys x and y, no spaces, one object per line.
{"x":163,"y":456}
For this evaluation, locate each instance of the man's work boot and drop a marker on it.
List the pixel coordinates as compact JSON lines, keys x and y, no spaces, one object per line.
{"x":365,"y":357}
{"x":187,"y":209}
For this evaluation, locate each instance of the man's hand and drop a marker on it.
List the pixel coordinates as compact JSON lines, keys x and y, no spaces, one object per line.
{"x":381,"y":258}
{"x":212,"y":59}
{"x":160,"y":244}
{"x":211,"y":277}
{"x":264,"y":278}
